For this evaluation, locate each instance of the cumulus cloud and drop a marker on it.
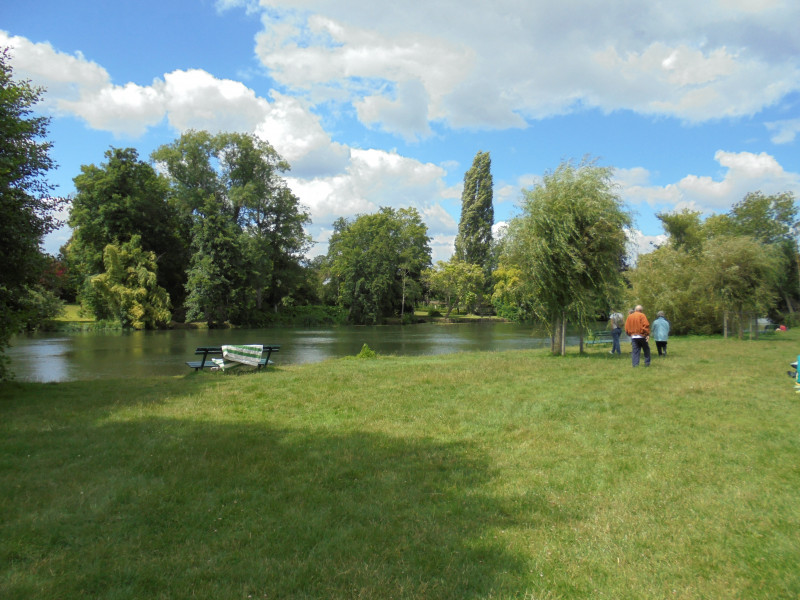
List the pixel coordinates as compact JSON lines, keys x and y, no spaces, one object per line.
{"x":498,"y":65}
{"x":331,"y":179}
{"x":744,"y":172}
{"x":372,"y":179}
{"x":639,"y":243}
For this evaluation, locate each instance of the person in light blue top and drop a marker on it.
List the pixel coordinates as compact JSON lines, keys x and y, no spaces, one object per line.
{"x":660,"y":331}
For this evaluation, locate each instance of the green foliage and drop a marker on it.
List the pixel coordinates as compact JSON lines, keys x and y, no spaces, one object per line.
{"x":129,"y":287}
{"x":742,"y":273}
{"x":375,"y":261}
{"x":301,"y":315}
{"x":235,"y":180}
{"x":216,"y":271}
{"x":27,"y":206}
{"x":508,"y":297}
{"x":366,"y":352}
{"x":733,"y":274}
{"x":474,"y":240}
{"x":672,"y":280}
{"x":567,"y":246}
{"x":768,"y":219}
{"x":456,"y":283}
{"x":39,"y":306}
{"x":738,"y":264}
{"x":684,"y":229}
{"x":120,"y":199}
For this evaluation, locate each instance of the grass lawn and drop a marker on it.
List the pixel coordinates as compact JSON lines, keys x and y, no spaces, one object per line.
{"x":72,"y":314}
{"x":480,"y":475}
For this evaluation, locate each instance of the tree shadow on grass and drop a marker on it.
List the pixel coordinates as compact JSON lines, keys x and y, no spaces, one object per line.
{"x":176,"y":508}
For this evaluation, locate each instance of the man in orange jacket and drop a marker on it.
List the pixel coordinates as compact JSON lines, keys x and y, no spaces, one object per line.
{"x":638,"y":327}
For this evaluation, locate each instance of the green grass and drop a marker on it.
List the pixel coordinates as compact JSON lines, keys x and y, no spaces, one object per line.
{"x":480,"y":475}
{"x":72,"y":314}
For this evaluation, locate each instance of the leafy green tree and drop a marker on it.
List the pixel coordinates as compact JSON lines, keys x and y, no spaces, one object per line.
{"x":374,"y":258}
{"x":769,"y":220}
{"x":742,"y":273}
{"x":189,"y":162}
{"x":414,"y":255}
{"x":216,"y":277}
{"x":129,"y":287}
{"x":455,"y":282}
{"x":773,"y":220}
{"x":278,"y":240}
{"x":568,"y":243}
{"x":122,"y":198}
{"x":508,"y":297}
{"x":238,"y":177}
{"x":684,"y":228}
{"x":474,"y":239}
{"x":38,"y":305}
{"x":27,"y":206}
{"x":677,"y":282}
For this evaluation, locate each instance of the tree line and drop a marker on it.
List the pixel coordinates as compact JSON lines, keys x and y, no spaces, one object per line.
{"x":208,"y":230}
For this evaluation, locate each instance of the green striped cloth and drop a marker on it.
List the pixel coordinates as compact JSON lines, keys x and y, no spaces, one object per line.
{"x":246,"y":355}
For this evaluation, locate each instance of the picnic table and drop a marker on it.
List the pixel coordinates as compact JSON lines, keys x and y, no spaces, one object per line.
{"x":214,"y":351}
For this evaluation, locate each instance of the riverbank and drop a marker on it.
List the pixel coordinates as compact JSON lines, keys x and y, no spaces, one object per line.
{"x":485,"y":475}
{"x":298,"y":316}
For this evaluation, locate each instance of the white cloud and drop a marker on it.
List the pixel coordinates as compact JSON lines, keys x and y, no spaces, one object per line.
{"x":639,"y":243}
{"x":331,"y":179}
{"x":744,"y":172}
{"x":784,"y":132}
{"x":404,"y":115}
{"x":497,"y":65}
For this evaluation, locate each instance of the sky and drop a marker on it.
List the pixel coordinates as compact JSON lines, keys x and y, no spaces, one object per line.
{"x":380,"y":103}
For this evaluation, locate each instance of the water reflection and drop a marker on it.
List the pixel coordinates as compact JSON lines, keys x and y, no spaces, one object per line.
{"x":60,"y":357}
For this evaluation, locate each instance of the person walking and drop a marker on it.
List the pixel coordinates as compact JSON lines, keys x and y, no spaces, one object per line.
{"x":638,"y":327}
{"x":660,"y":329}
{"x":615,"y":324}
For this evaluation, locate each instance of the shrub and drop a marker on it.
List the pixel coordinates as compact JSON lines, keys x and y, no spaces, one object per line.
{"x":366,"y":352}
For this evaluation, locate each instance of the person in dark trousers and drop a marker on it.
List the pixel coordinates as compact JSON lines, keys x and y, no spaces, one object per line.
{"x":660,"y":330}
{"x":638,"y":328}
{"x":615,"y":324}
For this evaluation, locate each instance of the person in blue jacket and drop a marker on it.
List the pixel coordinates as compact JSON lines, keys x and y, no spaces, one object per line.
{"x":660,"y":332}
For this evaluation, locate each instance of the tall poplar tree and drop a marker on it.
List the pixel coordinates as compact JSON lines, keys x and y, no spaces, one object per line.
{"x":474,"y":239}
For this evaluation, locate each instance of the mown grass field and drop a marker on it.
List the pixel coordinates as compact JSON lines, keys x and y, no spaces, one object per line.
{"x":511,"y":475}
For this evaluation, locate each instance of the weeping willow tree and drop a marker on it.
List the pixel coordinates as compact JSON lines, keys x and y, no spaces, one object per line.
{"x":568,"y":244}
{"x":129,"y":286}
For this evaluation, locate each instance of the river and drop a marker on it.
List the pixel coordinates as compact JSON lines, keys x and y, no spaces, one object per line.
{"x":49,"y":357}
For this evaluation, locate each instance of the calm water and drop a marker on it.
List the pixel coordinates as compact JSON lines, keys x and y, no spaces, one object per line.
{"x":66,"y":357}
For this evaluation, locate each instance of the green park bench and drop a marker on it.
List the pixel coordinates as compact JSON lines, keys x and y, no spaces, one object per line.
{"x":598,"y":338}
{"x":209,"y":352}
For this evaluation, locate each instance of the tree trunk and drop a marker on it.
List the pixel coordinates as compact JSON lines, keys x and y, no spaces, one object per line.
{"x":725,"y":323}
{"x":788,"y":301}
{"x":563,"y":335}
{"x":403,"y":303}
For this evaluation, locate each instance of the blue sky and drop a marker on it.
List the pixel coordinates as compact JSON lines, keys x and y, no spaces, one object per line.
{"x":377,"y":103}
